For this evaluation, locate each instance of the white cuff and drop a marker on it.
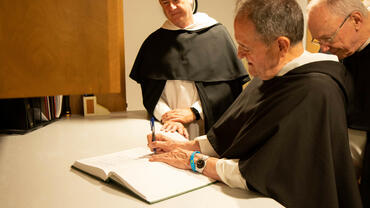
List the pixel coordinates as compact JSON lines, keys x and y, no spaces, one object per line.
{"x":228,"y":171}
{"x":160,"y":109}
{"x":357,"y":143}
{"x":206,"y":147}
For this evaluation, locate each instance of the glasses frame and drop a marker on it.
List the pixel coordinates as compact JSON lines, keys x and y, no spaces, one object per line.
{"x":331,"y":38}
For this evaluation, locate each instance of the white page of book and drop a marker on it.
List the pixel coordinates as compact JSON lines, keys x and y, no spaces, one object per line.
{"x":109,"y":162}
{"x":155,"y":180}
{"x":152,"y":181}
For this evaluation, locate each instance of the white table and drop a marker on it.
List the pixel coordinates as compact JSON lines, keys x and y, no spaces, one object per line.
{"x":35,"y":169}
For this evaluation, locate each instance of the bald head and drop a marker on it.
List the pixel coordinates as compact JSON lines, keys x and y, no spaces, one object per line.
{"x":339,"y":7}
{"x":340,"y":26}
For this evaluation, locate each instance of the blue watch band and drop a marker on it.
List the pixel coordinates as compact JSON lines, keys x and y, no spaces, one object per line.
{"x":192,"y":160}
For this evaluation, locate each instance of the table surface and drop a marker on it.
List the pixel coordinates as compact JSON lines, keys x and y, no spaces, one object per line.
{"x":35,"y":168}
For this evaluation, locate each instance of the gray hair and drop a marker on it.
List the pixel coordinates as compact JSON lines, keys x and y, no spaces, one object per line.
{"x":341,"y":7}
{"x":273,"y":18}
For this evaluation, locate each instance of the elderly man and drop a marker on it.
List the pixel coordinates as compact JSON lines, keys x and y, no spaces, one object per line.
{"x":188,"y":70}
{"x":342,"y":27}
{"x":286,"y":135}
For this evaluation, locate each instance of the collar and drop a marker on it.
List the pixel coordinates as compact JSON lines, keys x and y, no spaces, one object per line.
{"x":306,"y":58}
{"x":364,"y":45}
{"x":201,"y":20}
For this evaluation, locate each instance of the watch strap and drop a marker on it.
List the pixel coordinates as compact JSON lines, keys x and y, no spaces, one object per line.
{"x":196,"y":113}
{"x":192,"y":164}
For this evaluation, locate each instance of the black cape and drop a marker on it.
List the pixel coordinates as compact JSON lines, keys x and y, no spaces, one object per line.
{"x":290,"y":134}
{"x":358,"y":66}
{"x":207,"y":57}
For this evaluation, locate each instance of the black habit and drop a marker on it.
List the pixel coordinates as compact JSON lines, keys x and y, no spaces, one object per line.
{"x":206,"y":56}
{"x":358,"y":66}
{"x":290,"y":134}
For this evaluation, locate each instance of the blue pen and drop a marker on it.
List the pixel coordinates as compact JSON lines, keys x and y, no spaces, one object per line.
{"x":152,"y":127}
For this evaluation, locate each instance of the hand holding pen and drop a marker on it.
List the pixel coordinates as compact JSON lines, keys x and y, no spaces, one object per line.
{"x":152,"y":127}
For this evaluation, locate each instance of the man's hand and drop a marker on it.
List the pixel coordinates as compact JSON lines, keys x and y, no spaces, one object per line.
{"x":178,"y":158}
{"x":171,"y":126}
{"x":165,"y":144}
{"x":184,"y":116}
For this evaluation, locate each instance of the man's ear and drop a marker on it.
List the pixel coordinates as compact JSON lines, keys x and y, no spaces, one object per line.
{"x":357,"y":19}
{"x":283,"y":44}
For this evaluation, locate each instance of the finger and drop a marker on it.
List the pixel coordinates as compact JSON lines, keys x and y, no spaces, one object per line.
{"x":159,"y":151}
{"x":172,"y":116}
{"x":176,"y":119}
{"x":160,"y":137}
{"x":149,"y":138}
{"x":162,"y":145}
{"x":163,"y":157}
{"x":179,"y":120}
{"x":186,"y":134}
{"x":169,"y":129}
{"x":180,"y":130}
{"x":164,"y":119}
{"x":173,"y":128}
{"x":165,"y":128}
{"x":164,"y":116}
{"x":156,"y":158}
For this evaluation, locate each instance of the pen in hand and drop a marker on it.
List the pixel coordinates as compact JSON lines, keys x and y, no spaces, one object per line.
{"x":153,"y":131}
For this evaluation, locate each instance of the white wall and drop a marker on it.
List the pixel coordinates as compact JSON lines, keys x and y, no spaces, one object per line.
{"x":142,"y":17}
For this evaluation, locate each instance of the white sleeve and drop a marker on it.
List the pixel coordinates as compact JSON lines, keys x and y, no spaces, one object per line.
{"x":206,"y":147}
{"x":228,"y":171}
{"x":357,"y":143}
{"x":160,"y":109}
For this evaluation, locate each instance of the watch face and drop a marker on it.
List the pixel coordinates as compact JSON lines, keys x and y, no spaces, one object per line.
{"x":200,"y":163}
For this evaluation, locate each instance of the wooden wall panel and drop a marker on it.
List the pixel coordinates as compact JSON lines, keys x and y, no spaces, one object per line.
{"x":51,"y":47}
{"x":313,"y":48}
{"x":309,"y":45}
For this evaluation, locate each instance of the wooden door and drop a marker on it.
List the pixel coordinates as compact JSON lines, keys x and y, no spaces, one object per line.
{"x":69,"y":47}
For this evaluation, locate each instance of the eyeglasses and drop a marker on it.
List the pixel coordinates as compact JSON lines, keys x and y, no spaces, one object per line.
{"x":330,"y":39}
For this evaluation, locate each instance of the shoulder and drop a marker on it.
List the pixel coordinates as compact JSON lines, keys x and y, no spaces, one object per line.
{"x":155,"y":38}
{"x":320,"y":73}
{"x":155,"y":34}
{"x":320,"y":87}
{"x":219,"y":27}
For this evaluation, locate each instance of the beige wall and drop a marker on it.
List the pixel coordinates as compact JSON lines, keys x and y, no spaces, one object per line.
{"x":142,"y":17}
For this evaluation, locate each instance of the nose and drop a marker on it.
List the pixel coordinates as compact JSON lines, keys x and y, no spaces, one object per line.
{"x":324,"y":48}
{"x":241,"y":54}
{"x":172,"y":6}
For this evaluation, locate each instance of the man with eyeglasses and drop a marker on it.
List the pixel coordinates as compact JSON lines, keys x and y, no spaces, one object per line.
{"x":342,"y":27}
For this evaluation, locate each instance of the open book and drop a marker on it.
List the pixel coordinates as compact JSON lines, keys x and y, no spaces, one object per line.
{"x":152,"y":181}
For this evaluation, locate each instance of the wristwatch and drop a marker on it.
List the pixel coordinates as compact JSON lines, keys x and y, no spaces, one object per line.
{"x":201,"y":163}
{"x":195,"y":112}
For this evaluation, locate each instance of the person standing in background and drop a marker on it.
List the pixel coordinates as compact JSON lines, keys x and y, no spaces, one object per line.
{"x":188,"y":70}
{"x":342,"y":27}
